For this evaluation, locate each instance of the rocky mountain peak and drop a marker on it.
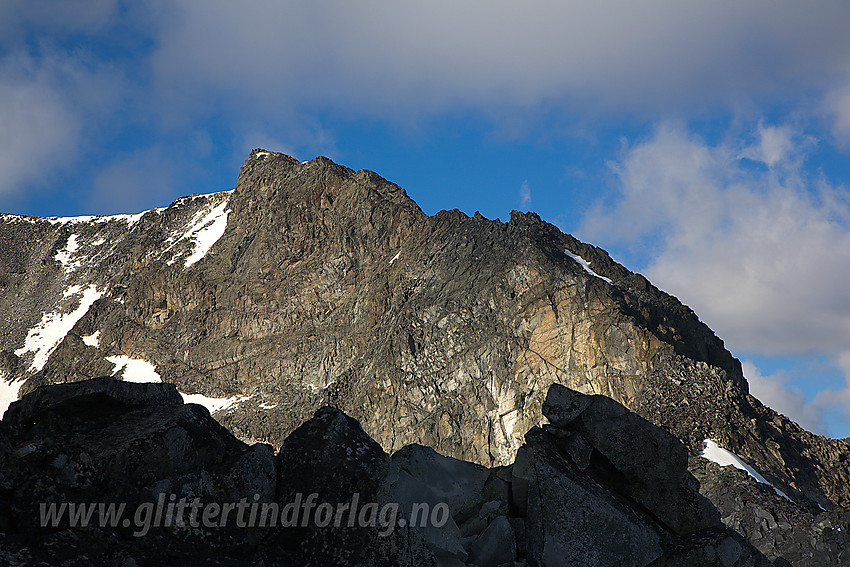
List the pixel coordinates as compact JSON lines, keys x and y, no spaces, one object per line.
{"x":281,"y":179}
{"x":311,"y":284}
{"x":294,"y":210}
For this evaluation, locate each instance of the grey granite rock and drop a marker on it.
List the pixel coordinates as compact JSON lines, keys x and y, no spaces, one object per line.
{"x":496,"y":545}
{"x":615,"y":443}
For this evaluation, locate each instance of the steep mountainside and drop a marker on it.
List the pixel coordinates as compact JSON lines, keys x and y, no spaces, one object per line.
{"x":311,"y":284}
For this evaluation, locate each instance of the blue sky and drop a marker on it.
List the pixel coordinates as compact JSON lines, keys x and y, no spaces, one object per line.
{"x":704,"y":144}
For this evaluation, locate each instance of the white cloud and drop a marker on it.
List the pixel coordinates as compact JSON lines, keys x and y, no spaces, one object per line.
{"x":401,"y":57}
{"x":525,"y":195}
{"x":837,"y":106}
{"x":774,"y":146}
{"x":50,"y":102}
{"x":763,"y":257}
{"x":775,"y":391}
{"x":39,"y":130}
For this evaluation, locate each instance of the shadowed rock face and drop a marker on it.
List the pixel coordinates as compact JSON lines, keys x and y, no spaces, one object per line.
{"x":108,"y":441}
{"x":136,"y":444}
{"x":609,"y":442}
{"x":330,"y":287}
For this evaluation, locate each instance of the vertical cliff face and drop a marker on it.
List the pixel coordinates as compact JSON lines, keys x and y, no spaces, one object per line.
{"x":313,"y":284}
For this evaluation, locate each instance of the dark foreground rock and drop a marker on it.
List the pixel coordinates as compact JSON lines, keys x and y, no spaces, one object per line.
{"x":777,"y":527}
{"x":583,"y":491}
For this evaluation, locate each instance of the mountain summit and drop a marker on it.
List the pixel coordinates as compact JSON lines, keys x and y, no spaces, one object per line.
{"x":313,"y":285}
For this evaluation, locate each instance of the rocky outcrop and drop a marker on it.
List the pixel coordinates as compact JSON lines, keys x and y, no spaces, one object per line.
{"x":335,"y":288}
{"x":331,"y":496}
{"x":314,"y":285}
{"x":777,"y":527}
{"x":106,"y":442}
{"x":607,"y":441}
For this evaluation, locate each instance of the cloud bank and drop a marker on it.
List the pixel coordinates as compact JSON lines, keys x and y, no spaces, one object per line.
{"x":269,"y":69}
{"x":35,"y":121}
{"x":613,"y":56}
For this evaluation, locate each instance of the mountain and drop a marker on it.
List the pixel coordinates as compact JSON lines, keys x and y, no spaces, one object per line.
{"x":313,"y":285}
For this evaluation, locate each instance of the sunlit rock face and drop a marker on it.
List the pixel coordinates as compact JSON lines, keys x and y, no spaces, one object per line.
{"x":311,"y":284}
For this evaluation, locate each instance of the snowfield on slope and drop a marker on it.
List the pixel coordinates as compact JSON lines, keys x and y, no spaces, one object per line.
{"x":92,"y":340}
{"x":64,"y":255}
{"x":586,"y":265}
{"x":46,"y":336}
{"x":204,"y":230}
{"x":134,"y":369}
{"x":8,"y":392}
{"x":138,"y":370}
{"x":717,"y":454}
{"x":212,"y":404}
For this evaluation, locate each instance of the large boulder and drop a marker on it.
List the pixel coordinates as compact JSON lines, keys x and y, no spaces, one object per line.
{"x":426,"y":477}
{"x":637,"y":459}
{"x":600,"y":485}
{"x":126,"y":445}
{"x":89,"y":396}
{"x":575,"y":521}
{"x":353,"y":519}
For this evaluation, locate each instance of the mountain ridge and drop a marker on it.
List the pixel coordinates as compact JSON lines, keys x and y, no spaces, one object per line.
{"x":330,"y":286}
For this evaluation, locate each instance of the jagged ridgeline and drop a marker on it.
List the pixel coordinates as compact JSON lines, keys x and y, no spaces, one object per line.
{"x":311,"y":284}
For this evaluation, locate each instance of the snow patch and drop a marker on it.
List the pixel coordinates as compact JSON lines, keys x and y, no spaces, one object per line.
{"x":46,"y":336}
{"x":134,"y":369}
{"x":18,"y":218}
{"x":212,"y":404}
{"x":260,"y":155}
{"x":205,"y":230}
{"x":64,"y":255}
{"x":395,"y":257}
{"x":72,"y":220}
{"x":129,"y":219}
{"x":8,"y":392}
{"x":264,"y":405}
{"x":92,"y":340}
{"x":717,"y":454}
{"x":586,"y":265}
{"x":71,"y":291}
